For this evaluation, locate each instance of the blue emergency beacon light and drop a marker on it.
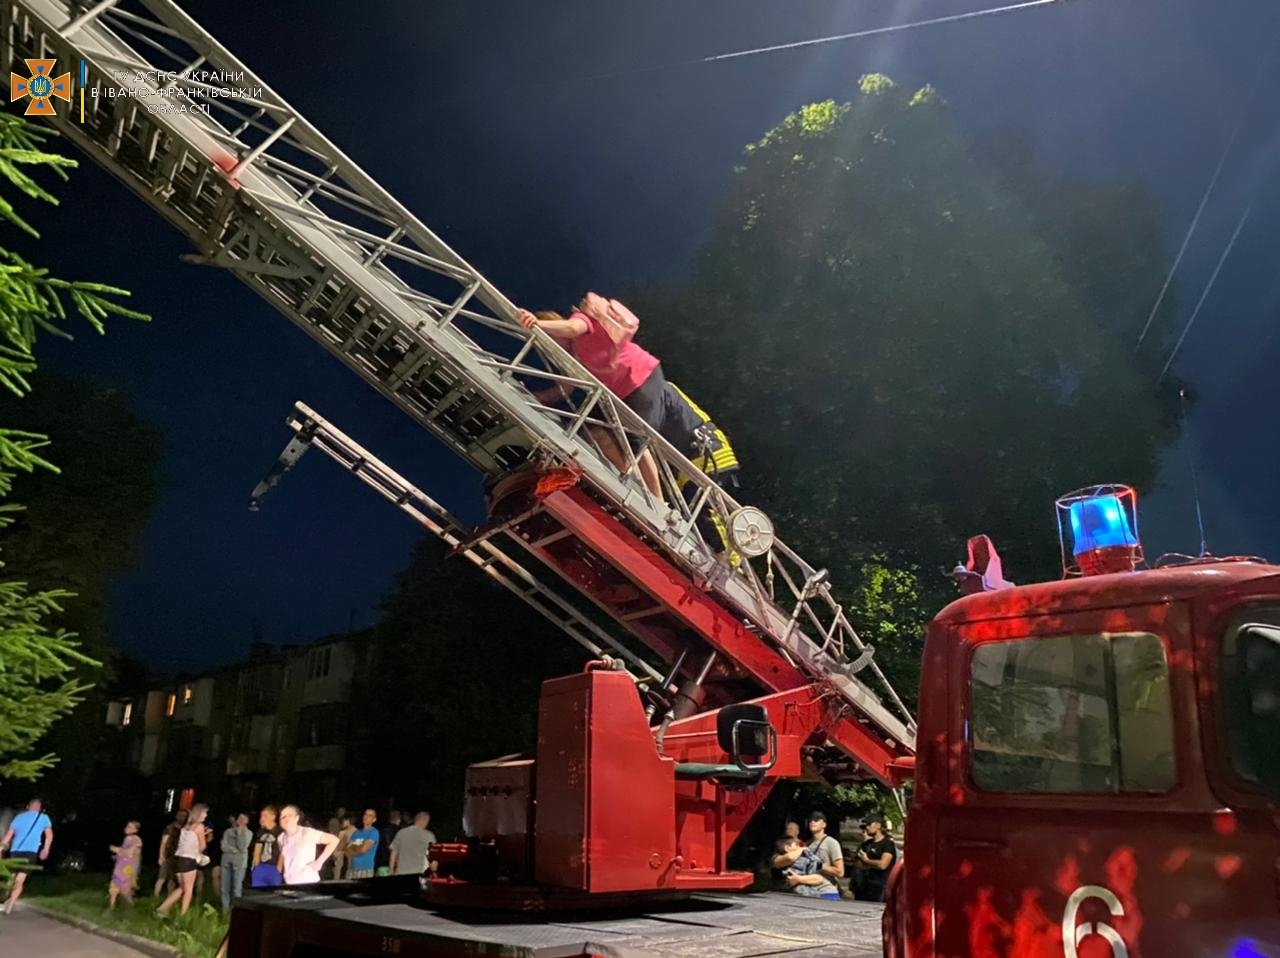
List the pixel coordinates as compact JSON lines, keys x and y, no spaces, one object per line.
{"x":1098,"y":530}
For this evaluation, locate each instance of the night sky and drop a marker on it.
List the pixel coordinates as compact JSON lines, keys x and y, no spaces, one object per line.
{"x":489,"y":121}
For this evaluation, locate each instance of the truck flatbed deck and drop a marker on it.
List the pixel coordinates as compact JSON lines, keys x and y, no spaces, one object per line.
{"x":349,"y":919}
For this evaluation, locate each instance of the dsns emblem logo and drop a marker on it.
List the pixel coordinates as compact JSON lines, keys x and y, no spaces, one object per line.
{"x":41,"y":85}
{"x":1073,"y":934}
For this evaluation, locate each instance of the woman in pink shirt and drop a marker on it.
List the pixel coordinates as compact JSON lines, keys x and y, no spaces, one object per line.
{"x":298,"y":845}
{"x":630,"y":373}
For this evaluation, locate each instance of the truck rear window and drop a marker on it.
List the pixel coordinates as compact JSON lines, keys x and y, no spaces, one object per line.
{"x":1072,"y":713}
{"x":1250,"y":689}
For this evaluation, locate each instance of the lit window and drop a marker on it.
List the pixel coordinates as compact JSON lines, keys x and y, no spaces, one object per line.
{"x":170,"y":704}
{"x":128,"y":714}
{"x":187,"y":692}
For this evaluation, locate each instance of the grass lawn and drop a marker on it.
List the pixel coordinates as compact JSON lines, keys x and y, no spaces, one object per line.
{"x":85,"y":896}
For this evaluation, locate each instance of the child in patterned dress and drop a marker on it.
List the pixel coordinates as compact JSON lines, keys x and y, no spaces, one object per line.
{"x":128,"y":855}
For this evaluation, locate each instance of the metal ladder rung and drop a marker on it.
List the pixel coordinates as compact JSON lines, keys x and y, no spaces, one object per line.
{"x":643,"y":613}
{"x":547,"y":540}
{"x":457,"y":393}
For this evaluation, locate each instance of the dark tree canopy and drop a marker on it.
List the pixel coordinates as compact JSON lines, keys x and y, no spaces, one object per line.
{"x":913,"y":337}
{"x":933,"y":345}
{"x":459,"y":667}
{"x":42,"y":664}
{"x":79,"y":528}
{"x":82,"y":526}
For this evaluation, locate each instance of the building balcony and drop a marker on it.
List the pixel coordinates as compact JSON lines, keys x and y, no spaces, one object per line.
{"x":257,"y":703}
{"x":249,"y":761}
{"x":320,"y":758}
{"x":331,"y":688}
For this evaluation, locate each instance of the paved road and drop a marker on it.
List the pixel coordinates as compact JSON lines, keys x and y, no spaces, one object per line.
{"x":27,"y":933}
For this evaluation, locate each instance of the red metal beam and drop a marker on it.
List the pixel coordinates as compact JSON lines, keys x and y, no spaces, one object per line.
{"x":640,"y":563}
{"x":649,"y":571}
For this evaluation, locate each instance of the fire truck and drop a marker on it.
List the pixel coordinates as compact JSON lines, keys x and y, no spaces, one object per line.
{"x":1094,"y":770}
{"x":1098,"y":771}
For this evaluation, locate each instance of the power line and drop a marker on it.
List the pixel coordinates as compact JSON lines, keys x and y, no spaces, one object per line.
{"x":856,"y":35}
{"x":1186,"y":240}
{"x":1205,"y":294}
{"x":1254,"y":87}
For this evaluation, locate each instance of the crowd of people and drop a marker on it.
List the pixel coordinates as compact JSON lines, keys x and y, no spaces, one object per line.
{"x":283,"y":848}
{"x":816,"y":868}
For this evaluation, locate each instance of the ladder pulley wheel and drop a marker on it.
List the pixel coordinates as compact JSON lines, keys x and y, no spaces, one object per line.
{"x":750,"y":531}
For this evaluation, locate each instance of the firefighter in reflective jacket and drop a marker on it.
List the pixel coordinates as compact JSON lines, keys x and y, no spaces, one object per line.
{"x":708,"y":448}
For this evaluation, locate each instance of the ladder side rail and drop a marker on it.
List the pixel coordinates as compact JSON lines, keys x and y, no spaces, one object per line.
{"x":216,"y":56}
{"x":794,"y":578}
{"x":179,"y":24}
{"x":433,"y":516}
{"x":176,"y":23}
{"x":839,"y":623}
{"x":337,"y":159}
{"x":176,"y":19}
{"x":619,"y":416}
{"x":380,"y":208}
{"x":842,"y":621}
{"x":581,"y":376}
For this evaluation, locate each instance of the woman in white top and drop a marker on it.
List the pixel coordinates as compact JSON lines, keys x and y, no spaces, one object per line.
{"x":298,"y":843}
{"x":186,"y":860}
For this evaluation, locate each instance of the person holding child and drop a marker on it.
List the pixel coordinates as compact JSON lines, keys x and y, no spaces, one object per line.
{"x":811,"y":870}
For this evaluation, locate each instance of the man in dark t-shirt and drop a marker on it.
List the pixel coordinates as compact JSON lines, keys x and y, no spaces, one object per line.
{"x":875,"y":859}
{"x":168,"y":846}
{"x":382,"y":858}
{"x":264,"y":853}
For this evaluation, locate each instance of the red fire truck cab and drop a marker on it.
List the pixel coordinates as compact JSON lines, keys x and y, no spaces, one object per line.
{"x":1098,"y":771}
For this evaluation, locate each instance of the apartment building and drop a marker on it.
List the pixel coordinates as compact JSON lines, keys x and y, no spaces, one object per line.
{"x":276,"y":727}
